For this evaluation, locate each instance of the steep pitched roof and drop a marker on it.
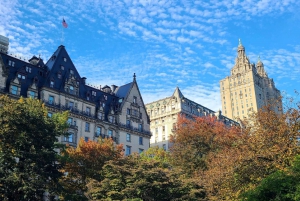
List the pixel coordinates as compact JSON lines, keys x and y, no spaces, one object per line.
{"x":123,"y":91}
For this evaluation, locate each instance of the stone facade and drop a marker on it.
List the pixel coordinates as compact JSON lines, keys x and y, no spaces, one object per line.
{"x":116,"y":112}
{"x":163,"y":116}
{"x":248,"y":88}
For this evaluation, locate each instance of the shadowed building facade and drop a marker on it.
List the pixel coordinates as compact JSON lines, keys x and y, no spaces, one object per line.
{"x":163,"y":115}
{"x":116,"y":112}
{"x":248,"y":88}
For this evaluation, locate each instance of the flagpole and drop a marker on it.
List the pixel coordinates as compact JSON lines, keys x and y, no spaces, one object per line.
{"x":62,"y":35}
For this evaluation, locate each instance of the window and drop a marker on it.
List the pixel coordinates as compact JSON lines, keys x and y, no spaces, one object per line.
{"x":21,"y":76}
{"x":70,"y":121}
{"x":134,"y":99}
{"x":51,"y":100}
{"x":72,"y":72}
{"x":11,"y":63}
{"x":94,"y":93}
{"x":65,"y":59}
{"x":49,"y":114}
{"x":165,"y":147}
{"x":87,"y":127}
{"x":70,"y":105}
{"x":111,"y":119}
{"x":62,"y":67}
{"x":141,"y":115}
{"x":100,"y":115}
{"x":140,"y":140}
{"x":98,"y":131}
{"x":110,"y":133}
{"x":14,"y":90}
{"x":88,"y":110}
{"x":59,"y":75}
{"x":128,"y":137}
{"x":128,"y":111}
{"x":141,"y":150}
{"x":28,"y":69}
{"x":86,"y":139}
{"x":69,"y":138}
{"x":51,"y":84}
{"x":71,"y":89}
{"x":128,"y":150}
{"x":128,"y":123}
{"x":140,"y":127}
{"x":156,"y":130}
{"x":163,"y":128}
{"x":32,"y":94}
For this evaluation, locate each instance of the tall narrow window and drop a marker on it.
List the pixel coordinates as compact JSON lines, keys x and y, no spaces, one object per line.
{"x":51,"y":84}
{"x":128,"y":137}
{"x":88,"y":110}
{"x":14,"y":90}
{"x":134,"y":99}
{"x":98,"y":131}
{"x":110,"y":133}
{"x":140,"y":140}
{"x":128,"y":150}
{"x":87,"y":127}
{"x":51,"y":100}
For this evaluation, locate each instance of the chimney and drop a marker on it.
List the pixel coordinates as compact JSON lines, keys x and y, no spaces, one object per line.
{"x":113,"y":88}
{"x":83,"y":79}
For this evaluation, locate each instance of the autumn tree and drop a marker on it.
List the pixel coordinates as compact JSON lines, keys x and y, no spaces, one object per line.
{"x":84,"y":163}
{"x":134,"y":178}
{"x":28,"y":160}
{"x":196,"y":138}
{"x":269,"y":143}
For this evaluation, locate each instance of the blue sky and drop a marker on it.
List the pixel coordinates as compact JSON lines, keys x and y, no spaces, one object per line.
{"x":190,"y":44}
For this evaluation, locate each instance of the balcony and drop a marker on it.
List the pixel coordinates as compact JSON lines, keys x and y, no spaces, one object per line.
{"x":129,"y":127}
{"x":103,"y":136}
{"x":73,"y":126}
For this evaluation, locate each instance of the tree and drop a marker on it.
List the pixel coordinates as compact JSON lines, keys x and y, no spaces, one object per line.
{"x":196,"y":138}
{"x":269,"y":143}
{"x":283,"y":185}
{"x":28,"y":160}
{"x":134,"y":178}
{"x":84,"y":164}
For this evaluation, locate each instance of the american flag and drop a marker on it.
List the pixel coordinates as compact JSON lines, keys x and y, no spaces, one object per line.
{"x":64,"y":23}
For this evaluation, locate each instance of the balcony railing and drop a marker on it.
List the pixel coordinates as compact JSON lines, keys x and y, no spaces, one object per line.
{"x":102,"y":135}
{"x":130,"y":127}
{"x":70,"y":108}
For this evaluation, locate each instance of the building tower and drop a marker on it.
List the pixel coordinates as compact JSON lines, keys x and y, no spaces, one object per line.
{"x":248,"y":88}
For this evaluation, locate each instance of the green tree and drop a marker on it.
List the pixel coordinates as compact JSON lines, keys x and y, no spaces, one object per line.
{"x":133,"y":178}
{"x":28,"y":160}
{"x":281,"y":186}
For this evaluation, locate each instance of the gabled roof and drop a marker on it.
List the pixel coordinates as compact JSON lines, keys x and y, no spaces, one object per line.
{"x":123,"y":91}
{"x":178,"y":93}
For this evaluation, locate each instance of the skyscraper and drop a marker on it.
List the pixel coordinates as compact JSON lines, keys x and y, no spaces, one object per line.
{"x":247,"y":88}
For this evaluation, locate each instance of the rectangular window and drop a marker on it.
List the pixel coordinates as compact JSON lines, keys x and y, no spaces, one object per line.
{"x":51,"y":100}
{"x":51,"y":84}
{"x":165,"y":147}
{"x":88,"y":110}
{"x":65,"y":59}
{"x":141,"y":150}
{"x":62,"y":68}
{"x":128,"y":111}
{"x":110,"y":133}
{"x":140,"y":140}
{"x":128,"y":150}
{"x":128,"y":123}
{"x":163,"y":128}
{"x":86,"y":139}
{"x":32,"y":94}
{"x":28,"y":69}
{"x":140,"y":127}
{"x":98,"y":131}
{"x":70,"y":105}
{"x":134,"y":99}
{"x":69,"y":138}
{"x":14,"y":90}
{"x":70,"y":121}
{"x":141,"y":115}
{"x":128,"y":137}
{"x":49,"y":114}
{"x":87,"y":127}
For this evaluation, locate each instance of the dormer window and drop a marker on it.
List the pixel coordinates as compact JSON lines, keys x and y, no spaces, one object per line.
{"x":62,"y":67}
{"x":134,"y":99}
{"x":59,"y":75}
{"x":14,"y":90}
{"x":111,"y":119}
{"x":94,"y":93}
{"x":65,"y":59}
{"x":11,"y":63}
{"x":51,"y":84}
{"x":71,"y":89}
{"x":72,"y":72}
{"x":28,"y":69}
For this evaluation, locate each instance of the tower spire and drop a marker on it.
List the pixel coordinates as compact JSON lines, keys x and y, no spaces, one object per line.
{"x":240,"y":42}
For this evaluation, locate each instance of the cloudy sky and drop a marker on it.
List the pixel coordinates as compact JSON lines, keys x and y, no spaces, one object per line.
{"x":167,"y":43}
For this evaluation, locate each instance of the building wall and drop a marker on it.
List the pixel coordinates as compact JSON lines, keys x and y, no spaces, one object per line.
{"x":247,"y":89}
